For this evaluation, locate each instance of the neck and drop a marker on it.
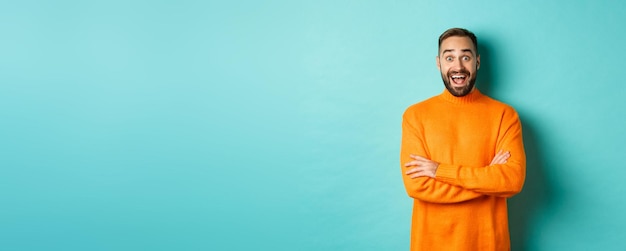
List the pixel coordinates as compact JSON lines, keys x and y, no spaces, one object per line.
{"x":469,"y":98}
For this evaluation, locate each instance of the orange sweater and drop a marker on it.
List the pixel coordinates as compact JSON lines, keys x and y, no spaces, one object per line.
{"x":464,"y":206}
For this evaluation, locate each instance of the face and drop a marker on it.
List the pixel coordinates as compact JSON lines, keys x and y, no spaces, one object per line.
{"x":458,"y":64}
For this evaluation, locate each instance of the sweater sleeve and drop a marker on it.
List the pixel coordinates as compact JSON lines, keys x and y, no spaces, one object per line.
{"x":504,"y":180}
{"x":426,"y":188}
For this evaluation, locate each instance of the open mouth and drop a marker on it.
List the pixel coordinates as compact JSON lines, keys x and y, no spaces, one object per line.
{"x":459,"y":79}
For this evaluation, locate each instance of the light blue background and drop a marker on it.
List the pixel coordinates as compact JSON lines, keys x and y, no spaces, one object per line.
{"x":275,"y":125}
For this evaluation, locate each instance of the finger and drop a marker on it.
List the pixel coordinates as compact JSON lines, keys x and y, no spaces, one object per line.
{"x":422,"y":174}
{"x":417,"y":171}
{"x":501,"y":158}
{"x":417,"y":175}
{"x":413,"y":171}
{"x":413,"y":163}
{"x":417,"y":157}
{"x":505,"y":156}
{"x":497,"y":159}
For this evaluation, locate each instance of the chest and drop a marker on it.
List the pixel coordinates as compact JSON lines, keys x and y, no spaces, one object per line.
{"x":461,"y":137}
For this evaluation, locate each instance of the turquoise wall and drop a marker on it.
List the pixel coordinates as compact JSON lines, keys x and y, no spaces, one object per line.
{"x":275,"y":125}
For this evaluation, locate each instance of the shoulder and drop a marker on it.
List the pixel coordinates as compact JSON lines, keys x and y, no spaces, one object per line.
{"x":497,"y":106}
{"x":415,"y":114}
{"x":421,"y":107}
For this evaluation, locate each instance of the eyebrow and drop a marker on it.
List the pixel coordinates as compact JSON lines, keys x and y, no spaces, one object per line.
{"x":462,"y":50}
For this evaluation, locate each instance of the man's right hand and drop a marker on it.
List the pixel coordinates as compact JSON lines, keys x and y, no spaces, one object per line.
{"x":501,"y":157}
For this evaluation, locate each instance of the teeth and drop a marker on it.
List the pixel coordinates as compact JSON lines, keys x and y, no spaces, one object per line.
{"x":458,"y":77}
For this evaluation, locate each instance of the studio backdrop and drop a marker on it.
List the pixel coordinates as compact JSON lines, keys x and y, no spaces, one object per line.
{"x":275,"y":125}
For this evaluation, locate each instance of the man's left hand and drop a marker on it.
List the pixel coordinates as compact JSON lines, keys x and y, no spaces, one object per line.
{"x":421,"y":167}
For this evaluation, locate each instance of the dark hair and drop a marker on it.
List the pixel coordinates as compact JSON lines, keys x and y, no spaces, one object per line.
{"x":458,"y":32}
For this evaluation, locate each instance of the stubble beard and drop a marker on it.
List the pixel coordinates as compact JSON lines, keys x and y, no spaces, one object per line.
{"x":459,"y":91}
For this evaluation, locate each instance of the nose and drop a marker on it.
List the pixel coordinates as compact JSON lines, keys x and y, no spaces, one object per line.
{"x":458,"y":64}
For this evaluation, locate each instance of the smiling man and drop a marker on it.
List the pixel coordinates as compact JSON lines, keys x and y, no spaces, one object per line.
{"x":462,"y":156}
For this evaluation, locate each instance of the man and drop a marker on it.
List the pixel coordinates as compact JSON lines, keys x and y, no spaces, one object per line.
{"x":462,"y":156}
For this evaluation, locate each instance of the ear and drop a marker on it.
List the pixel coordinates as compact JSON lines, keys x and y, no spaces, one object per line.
{"x":478,"y":62}
{"x":438,"y":63}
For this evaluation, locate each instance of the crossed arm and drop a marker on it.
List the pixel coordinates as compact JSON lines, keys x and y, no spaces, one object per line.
{"x":423,"y":182}
{"x":428,"y":180}
{"x":423,"y":167}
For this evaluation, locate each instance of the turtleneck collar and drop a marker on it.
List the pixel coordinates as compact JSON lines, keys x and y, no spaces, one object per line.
{"x":469,"y":98}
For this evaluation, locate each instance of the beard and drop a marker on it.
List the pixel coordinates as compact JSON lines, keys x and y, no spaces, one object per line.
{"x":459,"y":91}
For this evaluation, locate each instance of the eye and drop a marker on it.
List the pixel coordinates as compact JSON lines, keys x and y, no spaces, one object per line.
{"x":466,"y":58}
{"x":448,"y":58}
